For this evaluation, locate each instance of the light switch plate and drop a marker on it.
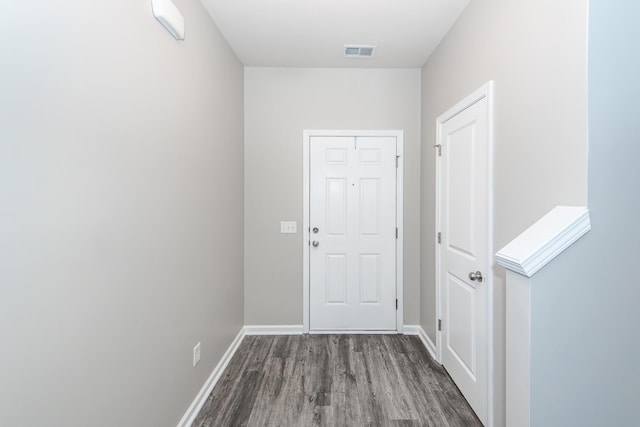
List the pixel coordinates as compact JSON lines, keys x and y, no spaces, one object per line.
{"x":196,"y":354}
{"x":288,"y":227}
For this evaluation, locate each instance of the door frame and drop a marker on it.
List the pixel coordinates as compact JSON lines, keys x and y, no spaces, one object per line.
{"x":484,"y":92}
{"x":306,"y":233}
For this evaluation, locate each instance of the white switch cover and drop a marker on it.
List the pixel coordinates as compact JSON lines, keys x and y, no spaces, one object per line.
{"x":196,"y":354}
{"x":288,"y":227}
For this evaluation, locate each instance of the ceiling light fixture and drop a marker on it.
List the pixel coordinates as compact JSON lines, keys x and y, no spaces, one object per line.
{"x":169,"y":16}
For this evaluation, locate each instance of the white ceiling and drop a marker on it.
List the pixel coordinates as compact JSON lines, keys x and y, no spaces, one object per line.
{"x":312,"y":33}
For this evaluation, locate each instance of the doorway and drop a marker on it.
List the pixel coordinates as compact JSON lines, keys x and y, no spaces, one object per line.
{"x":352,"y":231}
{"x":464,"y":282}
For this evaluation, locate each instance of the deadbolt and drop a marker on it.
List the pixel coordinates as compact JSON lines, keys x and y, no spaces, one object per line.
{"x":315,"y":229}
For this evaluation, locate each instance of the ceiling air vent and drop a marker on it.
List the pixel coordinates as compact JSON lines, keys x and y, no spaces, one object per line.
{"x":359,"y":51}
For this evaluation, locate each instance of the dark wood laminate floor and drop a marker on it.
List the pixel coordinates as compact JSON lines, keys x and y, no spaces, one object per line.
{"x":335,"y":380}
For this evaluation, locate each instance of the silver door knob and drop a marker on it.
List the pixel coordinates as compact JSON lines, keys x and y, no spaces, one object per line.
{"x":476,"y":276}
{"x":315,"y":243}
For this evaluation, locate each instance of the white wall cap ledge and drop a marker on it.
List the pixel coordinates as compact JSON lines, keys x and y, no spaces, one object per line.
{"x":545,"y":240}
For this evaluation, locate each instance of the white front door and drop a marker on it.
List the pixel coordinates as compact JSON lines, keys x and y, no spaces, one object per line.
{"x":352,"y":221}
{"x":464,"y":251}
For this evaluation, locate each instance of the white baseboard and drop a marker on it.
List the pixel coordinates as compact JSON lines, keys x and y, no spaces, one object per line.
{"x":206,"y":389}
{"x":273,"y":330}
{"x":417,"y":330}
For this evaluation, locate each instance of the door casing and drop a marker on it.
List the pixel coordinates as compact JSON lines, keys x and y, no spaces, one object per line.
{"x":307,"y":135}
{"x":486,"y":91}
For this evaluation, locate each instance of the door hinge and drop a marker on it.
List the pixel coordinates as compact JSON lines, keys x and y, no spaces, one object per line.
{"x":439,"y":237}
{"x":396,"y":303}
{"x":396,"y":232}
{"x":397,"y":157}
{"x":439,"y":147}
{"x":439,"y":324}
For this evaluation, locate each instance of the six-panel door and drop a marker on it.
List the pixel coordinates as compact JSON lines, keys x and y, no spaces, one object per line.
{"x":352,"y":264}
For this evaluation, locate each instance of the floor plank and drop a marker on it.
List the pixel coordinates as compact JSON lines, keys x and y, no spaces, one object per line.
{"x":335,"y":380}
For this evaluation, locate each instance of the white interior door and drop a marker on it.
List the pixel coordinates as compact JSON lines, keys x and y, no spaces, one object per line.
{"x":464,"y":250}
{"x":352,"y":219}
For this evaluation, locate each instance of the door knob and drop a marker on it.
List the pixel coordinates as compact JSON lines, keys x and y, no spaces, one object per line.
{"x":315,"y":243}
{"x":476,"y":276}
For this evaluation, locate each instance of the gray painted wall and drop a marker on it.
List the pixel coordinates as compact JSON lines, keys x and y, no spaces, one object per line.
{"x":535,"y":51}
{"x":121,"y":216}
{"x":279,"y":104}
{"x":585,"y":320}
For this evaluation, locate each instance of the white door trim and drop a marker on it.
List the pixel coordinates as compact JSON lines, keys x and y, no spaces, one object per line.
{"x":399,"y":135}
{"x":486,"y":91}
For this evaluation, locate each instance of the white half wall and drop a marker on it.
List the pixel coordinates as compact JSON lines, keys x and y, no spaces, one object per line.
{"x":585,"y":339}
